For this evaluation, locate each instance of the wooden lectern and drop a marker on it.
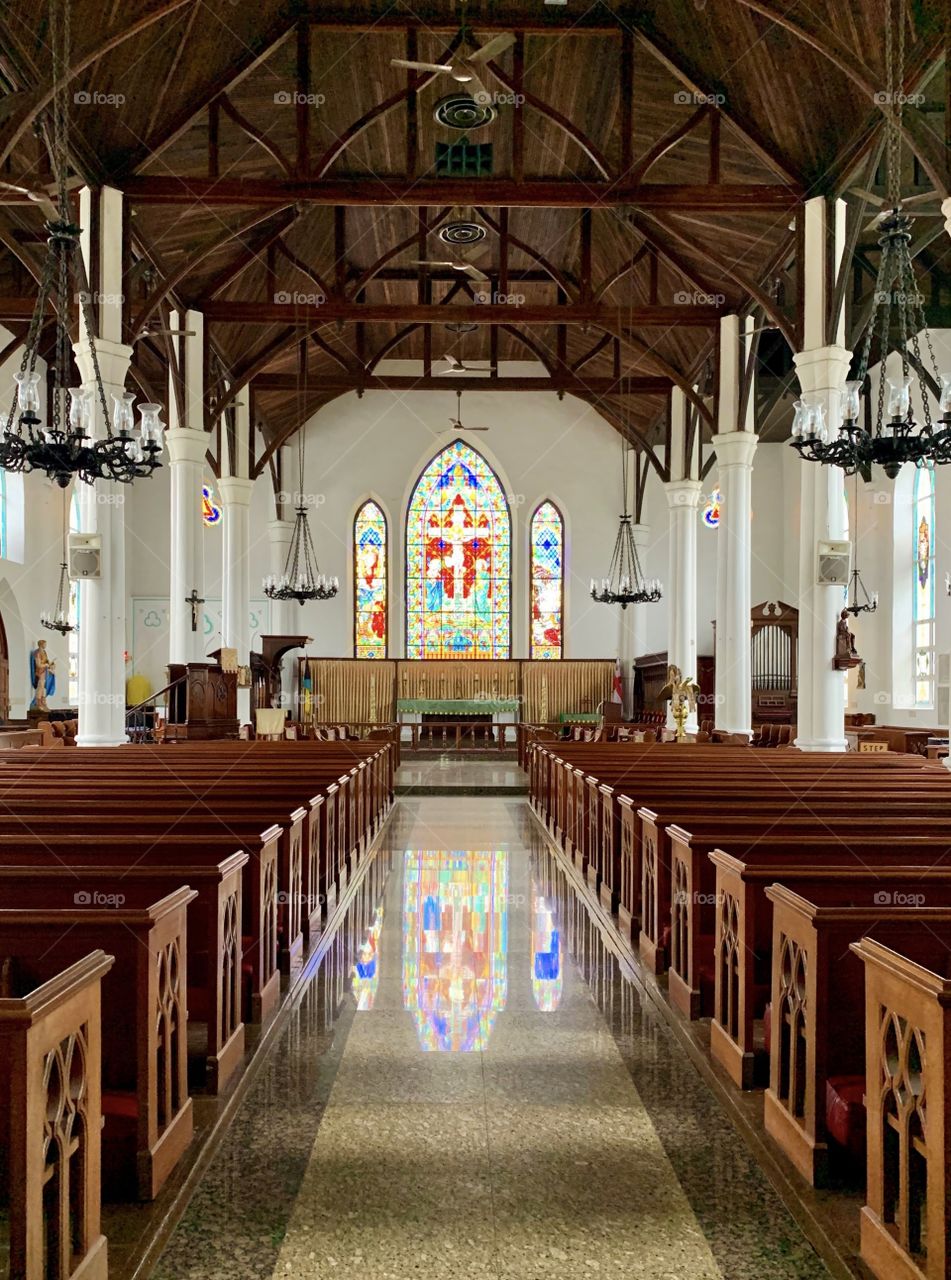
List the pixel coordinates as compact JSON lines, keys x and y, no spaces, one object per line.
{"x":202,"y":703}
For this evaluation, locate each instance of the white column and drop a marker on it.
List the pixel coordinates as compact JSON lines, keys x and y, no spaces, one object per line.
{"x":102,"y":601}
{"x":734,"y":451}
{"x":683,"y":500}
{"x":735,"y":445}
{"x":187,"y":445}
{"x":631,"y":626}
{"x":822,"y":369}
{"x":235,"y":577}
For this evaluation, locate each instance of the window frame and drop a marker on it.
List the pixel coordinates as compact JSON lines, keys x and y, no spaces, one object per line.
{"x":386,"y":578}
{"x":546,"y":502}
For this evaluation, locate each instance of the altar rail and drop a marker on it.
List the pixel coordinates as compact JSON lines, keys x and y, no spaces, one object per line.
{"x":358,"y":689}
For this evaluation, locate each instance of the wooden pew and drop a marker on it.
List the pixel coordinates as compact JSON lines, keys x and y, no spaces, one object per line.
{"x":680,"y":929}
{"x":904,"y":1223}
{"x":817,"y":1049}
{"x":145,"y":1104}
{"x":743,"y":939}
{"x":214,"y":924}
{"x":50,"y":1053}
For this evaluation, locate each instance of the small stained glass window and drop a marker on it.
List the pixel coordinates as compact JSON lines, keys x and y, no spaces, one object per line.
{"x":548,"y":582}
{"x":210,"y":508}
{"x":371,"y":614}
{"x":923,"y":602}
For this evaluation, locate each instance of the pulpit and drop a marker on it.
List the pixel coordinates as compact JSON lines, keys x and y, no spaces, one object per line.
{"x":266,"y":667}
{"x":202,"y":702}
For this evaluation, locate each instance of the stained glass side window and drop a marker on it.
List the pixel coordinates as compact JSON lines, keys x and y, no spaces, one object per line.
{"x":548,"y":582}
{"x":923,"y":605}
{"x":370,"y":569}
{"x":458,"y":560}
{"x":72,"y":637}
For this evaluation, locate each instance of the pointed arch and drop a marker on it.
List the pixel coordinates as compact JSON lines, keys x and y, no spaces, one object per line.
{"x":371,"y":581}
{"x":458,"y":560}
{"x":546,"y":587}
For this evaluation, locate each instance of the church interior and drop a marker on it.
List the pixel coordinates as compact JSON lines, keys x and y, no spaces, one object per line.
{"x":474,"y":479}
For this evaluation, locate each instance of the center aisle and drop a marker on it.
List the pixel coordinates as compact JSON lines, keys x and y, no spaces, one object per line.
{"x":461,"y":1107}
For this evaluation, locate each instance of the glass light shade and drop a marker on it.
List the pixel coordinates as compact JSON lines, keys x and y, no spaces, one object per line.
{"x":800,"y":423}
{"x":28,"y":392}
{"x":852,"y":402}
{"x":899,"y":396}
{"x":945,"y":398}
{"x":817,"y":422}
{"x":122,"y":418}
{"x":151,"y":425}
{"x":78,"y":410}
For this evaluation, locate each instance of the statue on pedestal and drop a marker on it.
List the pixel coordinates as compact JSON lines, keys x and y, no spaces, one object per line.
{"x":42,"y":676}
{"x":846,"y":654}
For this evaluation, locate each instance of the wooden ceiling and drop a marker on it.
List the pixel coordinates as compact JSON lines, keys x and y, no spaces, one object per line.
{"x":280,"y":177}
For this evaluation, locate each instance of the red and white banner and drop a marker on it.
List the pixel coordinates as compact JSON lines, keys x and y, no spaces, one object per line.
{"x":617,"y":691}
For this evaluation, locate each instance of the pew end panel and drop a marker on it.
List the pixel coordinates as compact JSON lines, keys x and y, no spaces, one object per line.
{"x":147,"y":1112}
{"x":691,"y":973}
{"x":50,"y":1070}
{"x":610,"y":891}
{"x":904,"y":1223}
{"x":655,"y":892}
{"x":732,"y":1042}
{"x":629,"y":904}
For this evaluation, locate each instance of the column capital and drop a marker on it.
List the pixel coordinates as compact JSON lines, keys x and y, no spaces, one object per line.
{"x":682,"y":493}
{"x":235,"y":490}
{"x":114,"y":360}
{"x":734,"y":448}
{"x":186,"y":445}
{"x":946,"y":214}
{"x":280,"y":530}
{"x":822,"y":369}
{"x":640,"y":533}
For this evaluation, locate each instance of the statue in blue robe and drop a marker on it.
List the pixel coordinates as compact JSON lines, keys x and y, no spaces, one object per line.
{"x":42,"y":677}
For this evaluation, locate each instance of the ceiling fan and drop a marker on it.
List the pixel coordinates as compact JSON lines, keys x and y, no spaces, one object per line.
{"x":464,"y":68}
{"x":471,"y":271}
{"x":457,"y":366}
{"x":146,"y":332}
{"x":457,"y":420}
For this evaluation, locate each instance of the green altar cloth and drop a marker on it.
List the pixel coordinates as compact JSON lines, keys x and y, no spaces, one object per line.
{"x":455,"y":706}
{"x":580,"y":717}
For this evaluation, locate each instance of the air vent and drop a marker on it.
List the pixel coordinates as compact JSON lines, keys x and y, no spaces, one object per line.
{"x":463,"y":159}
{"x":457,"y":327}
{"x":461,"y":111}
{"x":461,"y":233}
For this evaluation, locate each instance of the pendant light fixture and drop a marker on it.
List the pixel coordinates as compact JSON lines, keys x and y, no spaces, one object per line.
{"x":858,"y":598}
{"x":301,"y":579}
{"x":64,"y":447}
{"x":58,"y":620}
{"x":625,"y":583}
{"x":896,"y":437}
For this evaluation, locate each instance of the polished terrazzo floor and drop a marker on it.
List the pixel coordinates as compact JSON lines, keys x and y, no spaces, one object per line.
{"x":470,"y":1086}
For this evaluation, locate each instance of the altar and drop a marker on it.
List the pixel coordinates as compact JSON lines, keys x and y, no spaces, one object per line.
{"x":458,"y":722}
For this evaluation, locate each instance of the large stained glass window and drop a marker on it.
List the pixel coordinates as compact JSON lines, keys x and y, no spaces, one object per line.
{"x":548,"y":582}
{"x":923,"y":609}
{"x":458,"y":560}
{"x":370,"y":615}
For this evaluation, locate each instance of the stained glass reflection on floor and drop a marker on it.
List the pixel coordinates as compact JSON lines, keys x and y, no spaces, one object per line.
{"x":470,"y":1086}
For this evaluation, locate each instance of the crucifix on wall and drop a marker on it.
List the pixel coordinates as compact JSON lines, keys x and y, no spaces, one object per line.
{"x":194,"y":600}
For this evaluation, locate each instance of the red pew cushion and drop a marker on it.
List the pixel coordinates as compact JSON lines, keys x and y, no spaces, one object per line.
{"x":845,"y":1113}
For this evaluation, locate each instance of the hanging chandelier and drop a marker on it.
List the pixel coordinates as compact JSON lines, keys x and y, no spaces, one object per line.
{"x":897,"y":436}
{"x":63,"y":447}
{"x":625,"y":583}
{"x":301,"y":579}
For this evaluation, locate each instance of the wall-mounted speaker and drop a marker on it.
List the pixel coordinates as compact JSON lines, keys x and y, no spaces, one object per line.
{"x":85,"y":556}
{"x":834,"y":564}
